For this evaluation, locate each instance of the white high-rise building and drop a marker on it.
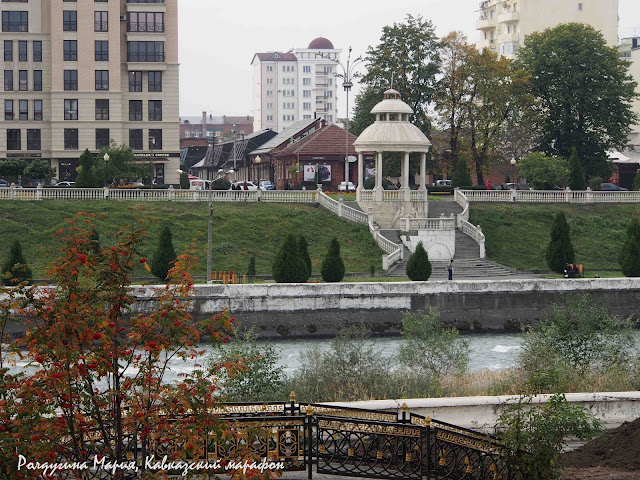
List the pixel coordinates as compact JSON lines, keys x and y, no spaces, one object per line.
{"x":297,"y":85}
{"x":504,"y":24}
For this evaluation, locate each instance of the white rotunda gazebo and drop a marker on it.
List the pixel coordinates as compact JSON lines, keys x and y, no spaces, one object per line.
{"x":392,"y":132}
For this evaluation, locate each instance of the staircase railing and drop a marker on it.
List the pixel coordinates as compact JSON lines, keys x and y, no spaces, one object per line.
{"x":462,"y":222}
{"x":393,"y":250}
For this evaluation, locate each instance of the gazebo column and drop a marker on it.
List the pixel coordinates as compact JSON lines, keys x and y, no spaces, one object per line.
{"x":360,"y":175}
{"x":423,"y":171}
{"x":405,"y":190}
{"x":378,"y":192}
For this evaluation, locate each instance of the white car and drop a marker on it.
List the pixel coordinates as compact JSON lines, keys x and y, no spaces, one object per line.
{"x":65,"y":184}
{"x":244,"y":186}
{"x":346,"y":187}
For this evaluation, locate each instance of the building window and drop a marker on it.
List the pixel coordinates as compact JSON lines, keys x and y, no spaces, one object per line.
{"x":269,"y":81}
{"x":580,"y":7}
{"x":71,"y":139}
{"x":70,"y":20}
{"x":37,"y":80}
{"x":269,"y":105}
{"x":102,"y":50}
{"x":101,"y":21}
{"x":145,"y":22}
{"x":102,"y":79}
{"x":70,"y":50}
{"x":306,"y":93}
{"x":24,"y":109}
{"x":145,"y":51}
{"x":8,"y":80}
{"x":37,"y":51}
{"x":155,"y":139}
{"x":155,"y":110}
{"x":23,"y":78}
{"x":306,"y":69}
{"x":135,"y":81}
{"x":135,"y":110}
{"x":269,"y":68}
{"x":269,"y":118}
{"x":155,"y":81}
{"x":13,"y":139}
{"x":187,"y":134}
{"x":306,"y":106}
{"x":306,"y":117}
{"x":15,"y":21}
{"x":102,"y":109}
{"x":8,"y":50}
{"x":8,"y":109}
{"x":37,"y":109}
{"x":269,"y":93}
{"x":71,"y":80}
{"x":22,"y":51}
{"x":135,"y":139}
{"x":306,"y":81}
{"x":33,"y":139}
{"x":102,"y":138}
{"x":71,"y":109}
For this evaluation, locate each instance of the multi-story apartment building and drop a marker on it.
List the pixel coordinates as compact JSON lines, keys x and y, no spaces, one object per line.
{"x":209,"y":126}
{"x":79,"y":74}
{"x":503,"y":24}
{"x":297,"y":85}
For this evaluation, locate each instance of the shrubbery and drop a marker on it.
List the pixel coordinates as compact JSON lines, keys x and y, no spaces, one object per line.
{"x":303,"y":250}
{"x":288,"y":265}
{"x":576,"y":172}
{"x":221,"y":184}
{"x":629,"y":257}
{"x":418,"y":265}
{"x":461,"y":176}
{"x":332,"y":265}
{"x":560,"y":250}
{"x":164,"y":256}
{"x":15,"y":269}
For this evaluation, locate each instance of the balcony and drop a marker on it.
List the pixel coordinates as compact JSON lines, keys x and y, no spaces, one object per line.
{"x":486,"y":23}
{"x":145,"y":57}
{"x":508,"y":17}
{"x":510,"y":37}
{"x":150,"y":27}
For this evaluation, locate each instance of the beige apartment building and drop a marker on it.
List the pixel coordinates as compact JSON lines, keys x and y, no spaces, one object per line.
{"x":504,"y":24}
{"x":79,"y":74}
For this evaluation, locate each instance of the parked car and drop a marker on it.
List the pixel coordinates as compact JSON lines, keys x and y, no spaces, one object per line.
{"x":3,"y":183}
{"x":266,"y":185}
{"x":612,"y":187}
{"x":244,"y":186}
{"x":442,"y":183}
{"x":346,"y":187}
{"x":65,"y":184}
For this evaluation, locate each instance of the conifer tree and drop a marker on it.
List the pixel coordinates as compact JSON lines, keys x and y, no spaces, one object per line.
{"x":288,"y":266}
{"x":251,"y":269}
{"x":560,"y":250}
{"x":636,"y":182}
{"x":576,"y":172}
{"x":86,"y":176}
{"x":164,"y":256}
{"x":461,"y":176}
{"x":629,"y":256}
{"x":304,"y":253}
{"x":15,"y":269}
{"x":418,"y":265}
{"x":332,"y":265}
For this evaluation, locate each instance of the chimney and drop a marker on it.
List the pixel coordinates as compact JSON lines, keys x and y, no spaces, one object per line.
{"x":323,"y":123}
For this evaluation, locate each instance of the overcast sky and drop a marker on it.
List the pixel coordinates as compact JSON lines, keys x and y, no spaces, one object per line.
{"x":218,"y":38}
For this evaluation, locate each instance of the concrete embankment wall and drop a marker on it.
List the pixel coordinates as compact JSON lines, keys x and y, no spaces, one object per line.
{"x":482,"y":413}
{"x":322,"y":309}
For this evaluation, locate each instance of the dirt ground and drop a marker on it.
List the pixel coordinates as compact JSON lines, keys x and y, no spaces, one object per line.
{"x":613,"y":456}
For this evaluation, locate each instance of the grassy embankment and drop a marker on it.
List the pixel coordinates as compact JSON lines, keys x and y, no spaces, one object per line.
{"x":239,"y":231}
{"x":517,"y":235}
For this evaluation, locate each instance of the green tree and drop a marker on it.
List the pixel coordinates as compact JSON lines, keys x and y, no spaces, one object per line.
{"x":86,"y":175}
{"x":303,"y":249}
{"x":288,"y":266}
{"x":534,"y":434}
{"x":461,"y":176}
{"x":576,"y":172}
{"x":121,"y":166}
{"x":39,"y":169}
{"x":368,"y":97}
{"x":184,"y":181}
{"x":584,"y":93}
{"x":560,"y":250}
{"x":542,"y":171}
{"x":332,"y":265}
{"x":629,"y":257}
{"x":410,"y":53}
{"x":636,"y":181}
{"x":12,"y":168}
{"x":220,"y":184}
{"x":418,"y":265}
{"x":430,"y":347}
{"x":251,"y":269}
{"x":15,"y":269}
{"x":164,"y":255}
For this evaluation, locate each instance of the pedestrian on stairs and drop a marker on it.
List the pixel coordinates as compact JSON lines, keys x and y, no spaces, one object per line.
{"x":450,"y":269}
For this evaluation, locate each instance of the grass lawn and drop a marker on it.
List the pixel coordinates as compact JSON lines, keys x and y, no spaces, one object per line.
{"x":239,"y":231}
{"x":517,"y":235}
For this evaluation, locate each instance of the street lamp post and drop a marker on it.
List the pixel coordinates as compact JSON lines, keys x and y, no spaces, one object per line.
{"x":347,"y":76}
{"x":257,"y":161}
{"x":106,"y":168}
{"x":513,"y":165}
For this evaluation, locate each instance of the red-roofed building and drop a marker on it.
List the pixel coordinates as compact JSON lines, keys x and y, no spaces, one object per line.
{"x":322,"y":150}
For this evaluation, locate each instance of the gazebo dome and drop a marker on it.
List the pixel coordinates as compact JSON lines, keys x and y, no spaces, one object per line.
{"x":392,"y":131}
{"x":320,"y":43}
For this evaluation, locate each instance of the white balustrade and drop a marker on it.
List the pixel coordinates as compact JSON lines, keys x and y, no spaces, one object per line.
{"x":546,"y":196}
{"x":366,"y":195}
{"x":392,"y":196}
{"x":444,"y":223}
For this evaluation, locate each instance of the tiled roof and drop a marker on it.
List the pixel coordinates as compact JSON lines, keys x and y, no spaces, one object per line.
{"x":276,"y":57}
{"x":329,"y":140}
